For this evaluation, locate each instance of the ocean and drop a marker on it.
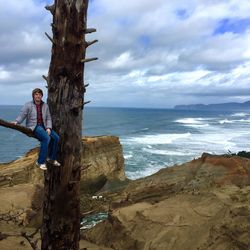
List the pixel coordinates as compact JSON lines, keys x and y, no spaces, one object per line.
{"x":151,"y":138}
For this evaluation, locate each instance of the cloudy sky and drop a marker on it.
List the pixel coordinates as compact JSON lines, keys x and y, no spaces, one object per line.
{"x":151,"y":53}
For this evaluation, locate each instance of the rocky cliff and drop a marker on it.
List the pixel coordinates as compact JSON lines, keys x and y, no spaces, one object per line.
{"x":21,"y":181}
{"x":203,"y":204}
{"x":101,"y":156}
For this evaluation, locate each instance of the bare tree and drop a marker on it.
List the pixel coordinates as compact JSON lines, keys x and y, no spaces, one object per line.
{"x":66,"y":88}
{"x":61,"y":212}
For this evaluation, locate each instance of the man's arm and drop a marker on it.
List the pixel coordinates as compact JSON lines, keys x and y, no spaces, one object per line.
{"x":48,"y":119}
{"x":23,"y":114}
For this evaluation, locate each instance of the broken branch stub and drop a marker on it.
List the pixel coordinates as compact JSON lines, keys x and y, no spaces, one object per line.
{"x":89,"y":59}
{"x":91,"y":42}
{"x":89,"y":30}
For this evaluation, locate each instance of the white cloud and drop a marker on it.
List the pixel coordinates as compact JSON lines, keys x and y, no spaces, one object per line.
{"x":120,"y":61}
{"x":151,"y":53}
{"x":4,"y":74}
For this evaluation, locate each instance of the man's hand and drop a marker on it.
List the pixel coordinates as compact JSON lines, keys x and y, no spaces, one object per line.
{"x":48,"y":130}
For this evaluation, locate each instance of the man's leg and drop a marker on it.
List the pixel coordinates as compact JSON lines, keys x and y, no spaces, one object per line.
{"x":43,"y":136}
{"x":53,"y":145}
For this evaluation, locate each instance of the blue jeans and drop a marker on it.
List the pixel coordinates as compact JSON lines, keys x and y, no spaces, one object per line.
{"x":48,"y":143}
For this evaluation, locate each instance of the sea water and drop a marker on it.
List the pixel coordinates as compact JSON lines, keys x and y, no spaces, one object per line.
{"x":151,"y":138}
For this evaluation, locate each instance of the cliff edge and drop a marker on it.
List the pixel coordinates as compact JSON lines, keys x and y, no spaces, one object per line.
{"x":203,"y":204}
{"x":21,"y":182}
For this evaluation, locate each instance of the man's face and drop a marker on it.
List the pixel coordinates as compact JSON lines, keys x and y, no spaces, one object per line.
{"x":38,"y":97}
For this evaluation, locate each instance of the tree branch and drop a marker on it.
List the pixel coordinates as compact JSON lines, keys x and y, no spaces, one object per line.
{"x":86,"y":102}
{"x":51,"y":8}
{"x":22,"y":129}
{"x":90,"y":43}
{"x":29,"y":238}
{"x":90,"y":30}
{"x":45,"y":78}
{"x":13,"y":216}
{"x":33,"y":243}
{"x":51,"y":39}
{"x":89,"y":59}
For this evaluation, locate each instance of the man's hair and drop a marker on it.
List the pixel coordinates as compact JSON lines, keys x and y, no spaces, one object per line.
{"x":37,"y":90}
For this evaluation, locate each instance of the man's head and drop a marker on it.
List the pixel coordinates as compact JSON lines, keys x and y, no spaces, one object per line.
{"x":37,"y":95}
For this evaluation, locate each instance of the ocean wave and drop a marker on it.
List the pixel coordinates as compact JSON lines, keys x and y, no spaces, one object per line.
{"x":156,"y":139}
{"x":197,"y":125}
{"x":240,"y":114}
{"x":166,"y":152}
{"x":190,"y":120}
{"x":149,"y":170}
{"x":225,"y":121}
{"x":234,"y":121}
{"x":128,"y":156}
{"x":243,"y":120}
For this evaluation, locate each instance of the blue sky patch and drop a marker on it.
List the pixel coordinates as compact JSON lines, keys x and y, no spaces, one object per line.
{"x":237,"y":26}
{"x":181,"y":14}
{"x":124,"y":21}
{"x":144,"y":40}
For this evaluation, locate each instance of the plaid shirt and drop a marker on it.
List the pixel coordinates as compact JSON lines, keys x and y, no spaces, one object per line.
{"x":39,"y":114}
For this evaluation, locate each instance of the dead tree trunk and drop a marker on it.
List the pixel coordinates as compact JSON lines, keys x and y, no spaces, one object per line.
{"x":61,"y":212}
{"x":61,"y":209}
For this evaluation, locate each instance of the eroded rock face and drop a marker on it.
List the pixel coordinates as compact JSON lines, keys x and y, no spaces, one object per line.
{"x":203,"y":204}
{"x":101,"y":156}
{"x":23,"y":181}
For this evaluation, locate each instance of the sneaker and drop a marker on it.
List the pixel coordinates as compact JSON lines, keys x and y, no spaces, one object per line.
{"x":41,"y":166}
{"x":54,"y":162}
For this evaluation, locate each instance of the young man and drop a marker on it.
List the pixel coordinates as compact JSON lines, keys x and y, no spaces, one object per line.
{"x":38,"y":119}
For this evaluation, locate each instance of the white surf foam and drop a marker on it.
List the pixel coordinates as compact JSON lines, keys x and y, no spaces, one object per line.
{"x":240,"y":114}
{"x":166,"y":152}
{"x":156,"y":139}
{"x":190,"y":120}
{"x":149,"y":170}
{"x":128,"y":156}
{"x":197,"y":125}
{"x":225,"y":121}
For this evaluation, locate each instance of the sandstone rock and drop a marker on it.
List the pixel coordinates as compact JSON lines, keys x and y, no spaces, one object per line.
{"x":21,"y":182}
{"x":102,"y":156}
{"x":203,"y":204}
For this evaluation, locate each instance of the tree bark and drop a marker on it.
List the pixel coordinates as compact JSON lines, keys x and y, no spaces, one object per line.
{"x":20,"y":128}
{"x":61,"y":211}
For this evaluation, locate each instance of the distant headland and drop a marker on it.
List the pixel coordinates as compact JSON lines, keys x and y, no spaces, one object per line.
{"x":220,"y":106}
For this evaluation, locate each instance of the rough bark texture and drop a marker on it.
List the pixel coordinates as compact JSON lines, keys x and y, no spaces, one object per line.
{"x":61,"y":215}
{"x":20,"y":128}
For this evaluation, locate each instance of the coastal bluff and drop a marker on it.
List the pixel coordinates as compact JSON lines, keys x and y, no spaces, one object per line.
{"x":21,"y":182}
{"x":102,"y":155}
{"x":202,"y":204}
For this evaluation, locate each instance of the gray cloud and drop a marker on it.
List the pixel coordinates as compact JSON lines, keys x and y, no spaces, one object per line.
{"x":151,"y":53}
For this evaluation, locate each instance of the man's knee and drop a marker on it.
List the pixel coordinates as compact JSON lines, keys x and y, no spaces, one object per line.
{"x":55,"y":137}
{"x":46,"y":139}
